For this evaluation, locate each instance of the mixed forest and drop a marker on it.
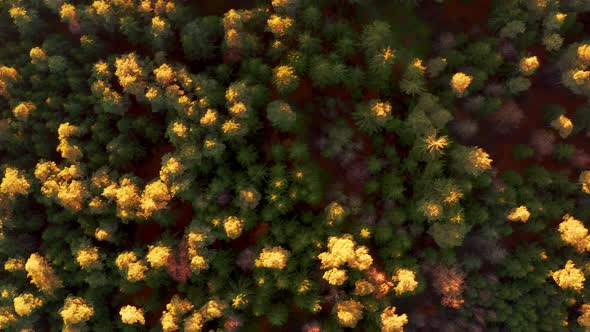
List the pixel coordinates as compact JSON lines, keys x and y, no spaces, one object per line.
{"x":294,"y":165}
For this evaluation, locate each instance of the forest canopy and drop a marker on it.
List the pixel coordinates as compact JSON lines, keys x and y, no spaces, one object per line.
{"x":294,"y":165}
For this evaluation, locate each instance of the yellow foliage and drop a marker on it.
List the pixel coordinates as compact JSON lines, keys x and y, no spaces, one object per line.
{"x":42,"y":274}
{"x":529,"y":65}
{"x":239,"y":301}
{"x":37,"y":55}
{"x":584,"y":53}
{"x":520,"y":213}
{"x":238,"y":109}
{"x":23,"y":110}
{"x":272,"y":258}
{"x":127,"y":196}
{"x":209,"y":118}
{"x":75,"y":311}
{"x":563,"y":125}
{"x":173,"y":314}
{"x":434,"y":144}
{"x":284,"y":76}
{"x":431,"y":210}
{"x":14,"y":183}
{"x":569,"y":277}
{"x":391,"y":322}
{"x":362,"y":260}
{"x":349,"y":312}
{"x":233,"y":38}
{"x":230,"y":126}
{"x":581,"y":76}
{"x":335,"y":276}
{"x":584,"y":318}
{"x":406,"y":281}
{"x":574,"y":233}
{"x":279,"y":25}
{"x":6,"y":317}
{"x":340,"y":251}
{"x":233,"y":227}
{"x":131,"y":315}
{"x":130,"y":74}
{"x":133,"y":268}
{"x":335,"y":212}
{"x":87,"y":257}
{"x":584,"y":180}
{"x":460,"y":82}
{"x":158,"y":256}
{"x":155,"y":197}
{"x":212,"y":309}
{"x":14,"y":264}
{"x":165,"y":75}
{"x":362,"y":287}
{"x":67,"y":12}
{"x":198,"y":263}
{"x":479,"y":159}
{"x":194,"y":323}
{"x":61,"y":184}
{"x":24,"y":304}
{"x":365,"y":233}
{"x":381,"y":110}
{"x":232,"y":19}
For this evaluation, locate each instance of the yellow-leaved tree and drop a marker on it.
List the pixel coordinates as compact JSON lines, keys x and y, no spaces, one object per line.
{"x":42,"y":274}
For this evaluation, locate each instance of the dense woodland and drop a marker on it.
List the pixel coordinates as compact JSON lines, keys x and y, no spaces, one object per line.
{"x":294,"y":165}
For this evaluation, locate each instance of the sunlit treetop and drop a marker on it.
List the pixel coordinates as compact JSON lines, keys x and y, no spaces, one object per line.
{"x":272,"y":258}
{"x":392,"y":322}
{"x":132,"y":315}
{"x":460,"y":82}
{"x":520,"y":213}
{"x":349,"y":312}
{"x":563,"y":125}
{"x":529,"y":65}
{"x":26,"y":303}
{"x":569,"y":277}
{"x":42,"y":274}
{"x":76,"y":310}
{"x":574,"y":233}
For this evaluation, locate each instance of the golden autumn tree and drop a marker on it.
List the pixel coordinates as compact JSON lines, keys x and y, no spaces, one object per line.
{"x":392,"y":322}
{"x":14,"y":183}
{"x":75,"y":313}
{"x":42,"y":274}
{"x":26,"y":303}
{"x":574,"y":233}
{"x":174,"y":312}
{"x":570,"y":277}
{"x":65,"y":185}
{"x":349,"y":312}
{"x":406,"y":281}
{"x":272,"y":258}
{"x":132,"y":315}
{"x":460,"y":82}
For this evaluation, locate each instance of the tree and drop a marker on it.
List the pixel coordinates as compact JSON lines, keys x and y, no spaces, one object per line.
{"x":285,"y":79}
{"x":392,"y":322}
{"x":281,"y":116}
{"x":349,"y":312}
{"x":42,"y":274}
{"x":460,"y":82}
{"x":75,"y":313}
{"x":574,"y":233}
{"x":569,"y":277}
{"x":132,"y":315}
{"x":448,"y":235}
{"x":200,"y":38}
